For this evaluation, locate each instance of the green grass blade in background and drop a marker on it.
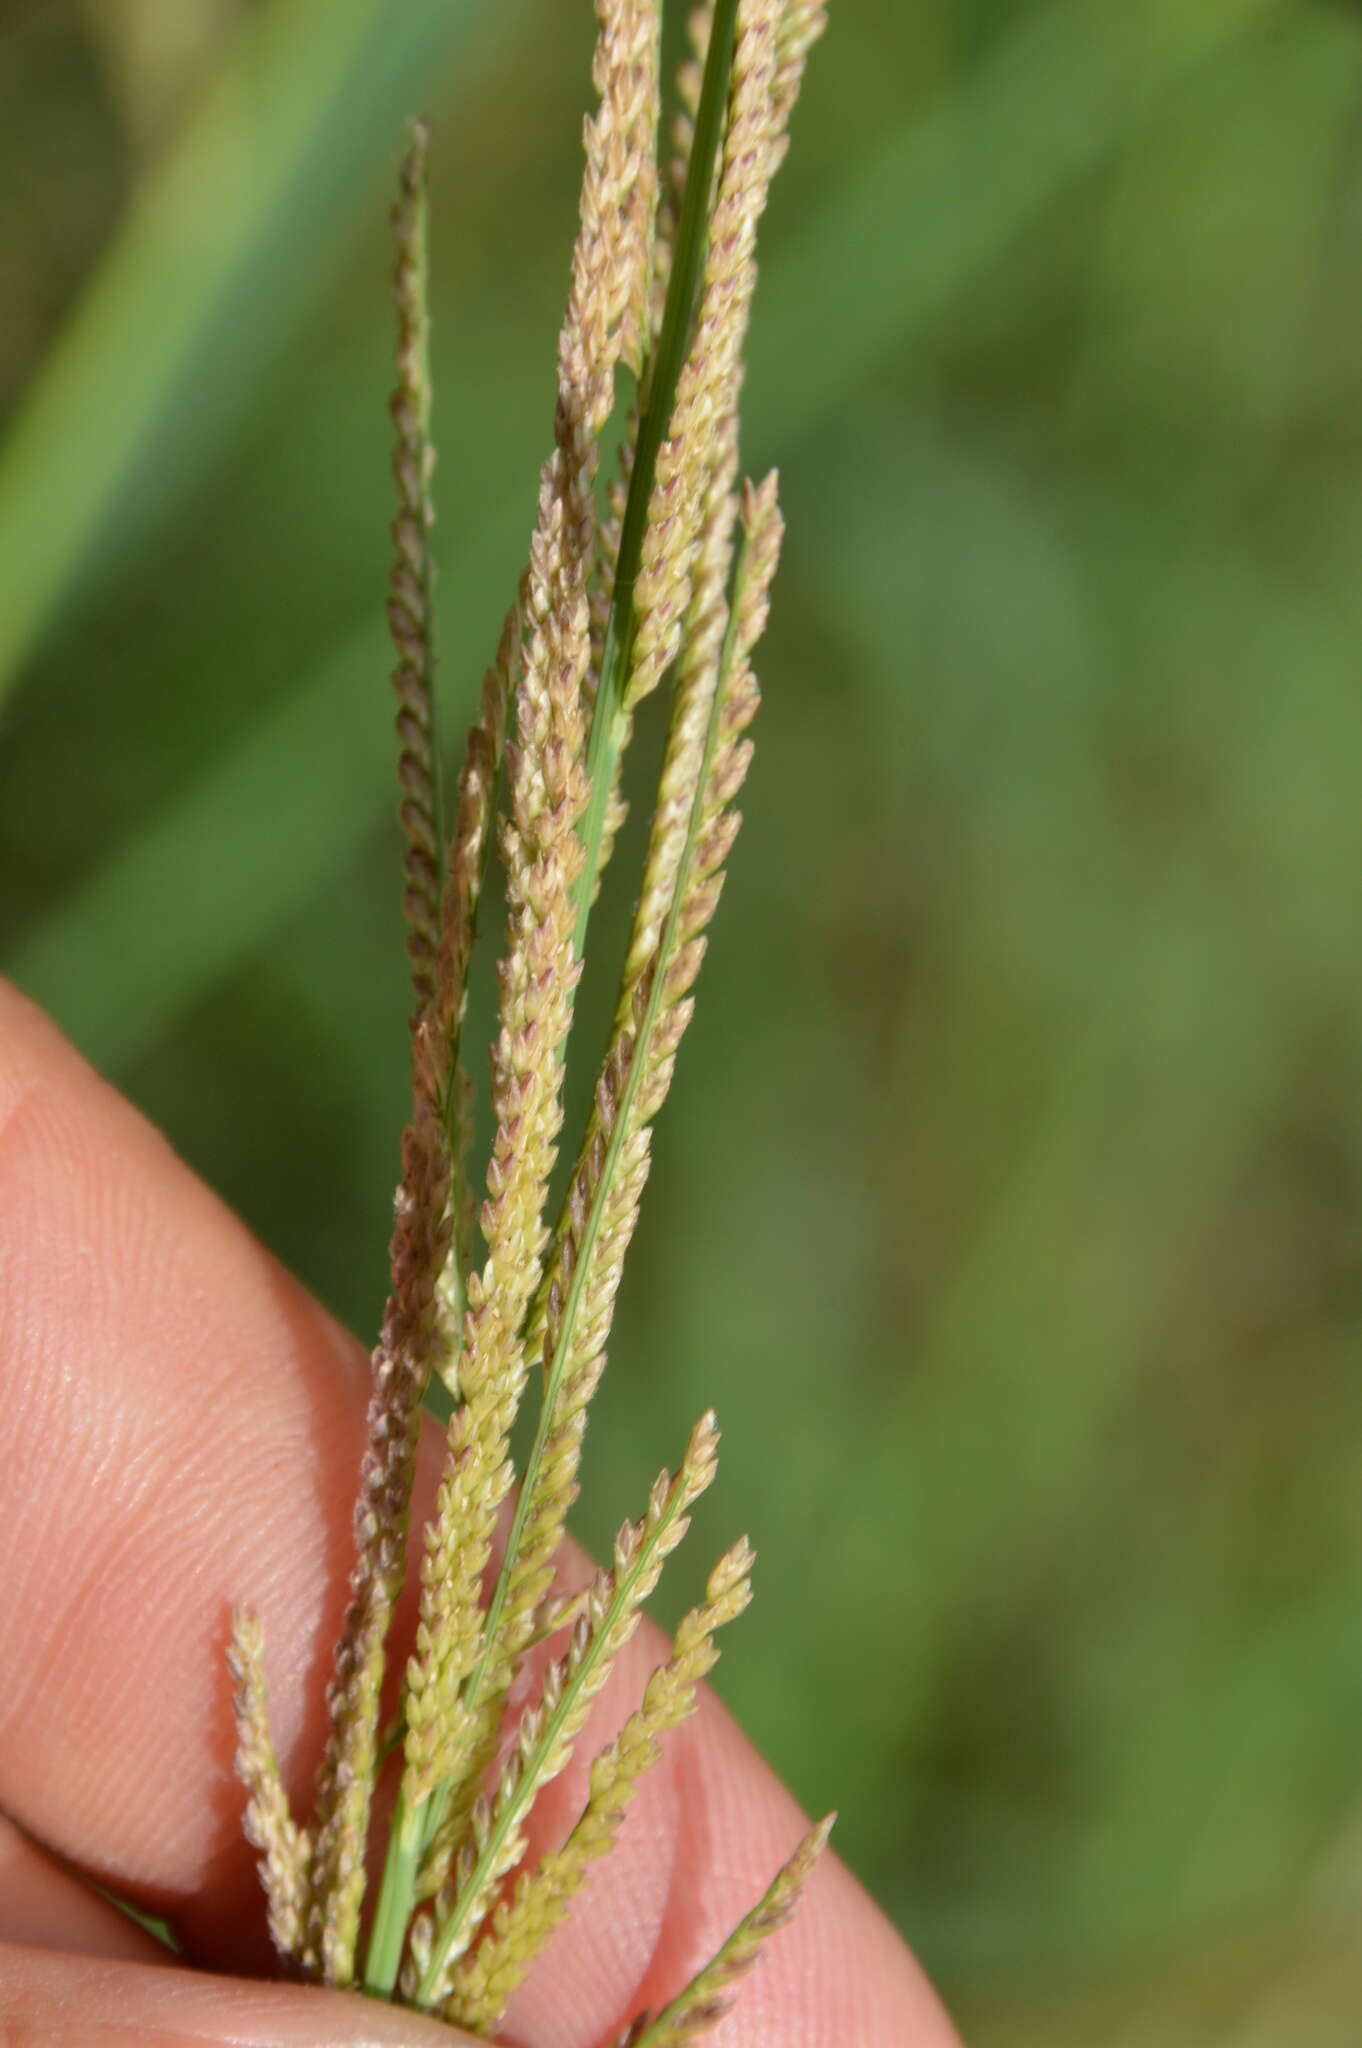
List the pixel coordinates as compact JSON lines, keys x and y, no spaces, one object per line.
{"x":211,"y":876}
{"x":218,"y":869}
{"x":204,"y":273}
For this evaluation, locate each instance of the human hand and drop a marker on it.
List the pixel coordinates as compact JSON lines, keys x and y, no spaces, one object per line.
{"x":180,"y":1429}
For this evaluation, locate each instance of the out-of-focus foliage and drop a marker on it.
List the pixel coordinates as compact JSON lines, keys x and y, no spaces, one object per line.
{"x":1009,"y":1207}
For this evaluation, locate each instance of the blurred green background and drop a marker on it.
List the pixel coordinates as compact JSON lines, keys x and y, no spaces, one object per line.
{"x":1008,"y":1202}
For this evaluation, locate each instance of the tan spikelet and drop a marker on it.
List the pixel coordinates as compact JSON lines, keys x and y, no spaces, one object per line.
{"x":802,"y":24}
{"x":689,"y":76}
{"x":543,"y":856}
{"x":640,"y":201}
{"x":547,"y":1730}
{"x":523,"y":1922}
{"x":706,"y":759}
{"x":707,"y":387}
{"x":284,"y":1846}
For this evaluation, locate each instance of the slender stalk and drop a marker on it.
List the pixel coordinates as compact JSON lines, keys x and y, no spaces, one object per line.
{"x":658,"y":398}
{"x":387,"y":1936}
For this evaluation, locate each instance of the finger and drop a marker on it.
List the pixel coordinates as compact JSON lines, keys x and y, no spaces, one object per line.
{"x":43,"y":1905}
{"x":84,"y":2002}
{"x":181,"y":1430}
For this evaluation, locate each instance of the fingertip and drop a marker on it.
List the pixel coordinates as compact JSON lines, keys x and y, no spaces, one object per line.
{"x":180,"y":1429}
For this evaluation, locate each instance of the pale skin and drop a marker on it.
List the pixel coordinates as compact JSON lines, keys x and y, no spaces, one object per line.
{"x":180,"y":1428}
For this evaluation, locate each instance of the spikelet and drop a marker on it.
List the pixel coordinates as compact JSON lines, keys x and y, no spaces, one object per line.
{"x":627,"y":533}
{"x":689,"y":76}
{"x":707,"y":1998}
{"x":640,"y":200}
{"x":693,"y":831}
{"x":803,"y":23}
{"x":769,"y":60}
{"x":665,"y":202}
{"x":523,"y":1922}
{"x":411,"y":1338}
{"x":706,"y":388}
{"x":465,"y":872}
{"x":698,"y":680}
{"x":547,"y":1730}
{"x":269,"y":1825}
{"x":543,"y":856}
{"x":410,"y":615}
{"x":440,"y":898}
{"x":449,"y":1630}
{"x":602,"y":599}
{"x":401,"y":1367}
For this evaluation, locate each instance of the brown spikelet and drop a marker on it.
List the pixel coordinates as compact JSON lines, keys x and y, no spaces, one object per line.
{"x":270,"y":1827}
{"x":401,"y":1368}
{"x":634,"y":2032}
{"x":410,"y":617}
{"x":415,"y":1338}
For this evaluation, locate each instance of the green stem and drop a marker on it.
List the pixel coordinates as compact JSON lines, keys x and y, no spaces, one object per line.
{"x":657,"y":400}
{"x":388,"y":1935}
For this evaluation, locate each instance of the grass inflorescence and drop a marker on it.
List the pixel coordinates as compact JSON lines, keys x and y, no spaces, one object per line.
{"x":662,"y":576}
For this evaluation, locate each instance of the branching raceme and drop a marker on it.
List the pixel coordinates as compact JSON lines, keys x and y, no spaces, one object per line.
{"x":667,"y":579}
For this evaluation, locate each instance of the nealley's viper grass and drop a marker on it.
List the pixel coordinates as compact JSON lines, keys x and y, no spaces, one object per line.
{"x":662,"y":579}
